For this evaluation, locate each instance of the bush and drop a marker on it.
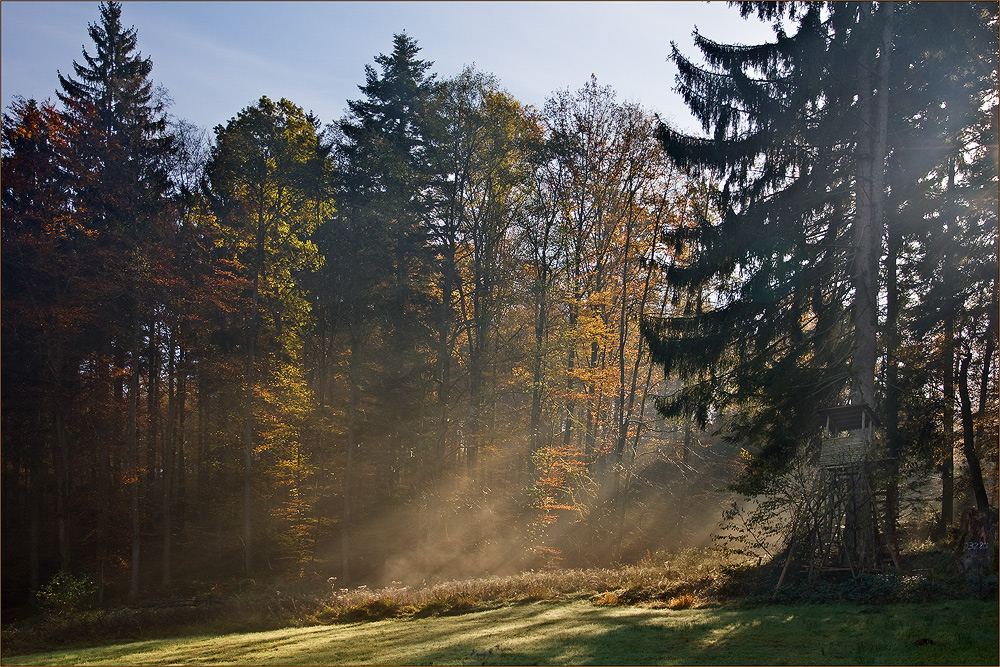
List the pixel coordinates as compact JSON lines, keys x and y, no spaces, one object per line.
{"x":65,"y":593}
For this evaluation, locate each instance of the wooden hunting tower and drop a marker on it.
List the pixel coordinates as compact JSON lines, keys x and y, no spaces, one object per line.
{"x":849,"y":436}
{"x":849,"y":501}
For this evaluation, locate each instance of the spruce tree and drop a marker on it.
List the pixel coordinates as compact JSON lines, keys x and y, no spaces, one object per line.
{"x":812,"y":138}
{"x":120,"y":179}
{"x":381,"y":264}
{"x":130,"y":113}
{"x":777,"y":262}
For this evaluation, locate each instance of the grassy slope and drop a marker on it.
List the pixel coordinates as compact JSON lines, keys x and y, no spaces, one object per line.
{"x":963,"y":632}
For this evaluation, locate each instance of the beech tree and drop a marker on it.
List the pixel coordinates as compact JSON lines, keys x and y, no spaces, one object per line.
{"x":267,"y":181}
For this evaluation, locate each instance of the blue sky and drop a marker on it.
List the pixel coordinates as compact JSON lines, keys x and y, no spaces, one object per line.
{"x":215,"y":58}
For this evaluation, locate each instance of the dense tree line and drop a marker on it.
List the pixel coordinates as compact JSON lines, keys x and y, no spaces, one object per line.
{"x":407,"y":343}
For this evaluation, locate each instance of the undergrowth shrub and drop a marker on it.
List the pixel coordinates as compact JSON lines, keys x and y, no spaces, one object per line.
{"x":607,"y":598}
{"x":65,"y":593}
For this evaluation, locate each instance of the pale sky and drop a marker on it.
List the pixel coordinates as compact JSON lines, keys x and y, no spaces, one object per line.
{"x":215,"y":58}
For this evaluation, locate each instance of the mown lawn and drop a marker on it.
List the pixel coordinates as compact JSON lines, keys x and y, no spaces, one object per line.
{"x":959,"y":633}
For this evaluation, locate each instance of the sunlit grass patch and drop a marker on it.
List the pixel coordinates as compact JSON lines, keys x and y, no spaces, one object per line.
{"x":577,"y":632}
{"x":628,"y":584}
{"x":675,"y":585}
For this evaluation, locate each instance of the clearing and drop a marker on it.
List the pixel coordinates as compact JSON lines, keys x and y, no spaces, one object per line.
{"x":958,"y":632}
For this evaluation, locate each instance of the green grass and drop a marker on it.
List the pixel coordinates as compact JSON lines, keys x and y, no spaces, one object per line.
{"x":963,"y":632}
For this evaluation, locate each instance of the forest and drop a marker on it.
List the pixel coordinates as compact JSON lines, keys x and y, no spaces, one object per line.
{"x":450,"y":334}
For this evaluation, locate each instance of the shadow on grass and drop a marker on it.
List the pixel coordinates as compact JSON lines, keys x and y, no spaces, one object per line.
{"x":960,"y":632}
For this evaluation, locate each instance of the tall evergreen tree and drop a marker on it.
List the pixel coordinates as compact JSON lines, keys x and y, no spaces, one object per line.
{"x":112,"y":100}
{"x":781,"y":145}
{"x":804,"y":137}
{"x":379,"y":255}
{"x":130,"y":115}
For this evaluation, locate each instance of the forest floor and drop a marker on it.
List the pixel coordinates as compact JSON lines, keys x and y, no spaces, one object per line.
{"x":956,"y":632}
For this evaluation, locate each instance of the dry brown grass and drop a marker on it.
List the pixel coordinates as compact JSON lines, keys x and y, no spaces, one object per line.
{"x":670,"y":580}
{"x":653,"y":582}
{"x":685,"y":601}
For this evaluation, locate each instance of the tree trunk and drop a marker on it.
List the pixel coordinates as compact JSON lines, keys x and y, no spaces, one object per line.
{"x":153,"y":435}
{"x":873,"y":109}
{"x":168,"y":463}
{"x":538,"y":364}
{"x":868,"y":228}
{"x":248,"y":429}
{"x":248,"y":420}
{"x":892,"y":398}
{"x":133,"y":456}
{"x":180,"y":465}
{"x":444,"y":355}
{"x":968,"y":439}
{"x":947,"y":466}
{"x":347,"y":484}
{"x":34,"y":529}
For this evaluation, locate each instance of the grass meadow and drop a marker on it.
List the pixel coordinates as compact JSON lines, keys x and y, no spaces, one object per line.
{"x":956,"y":632}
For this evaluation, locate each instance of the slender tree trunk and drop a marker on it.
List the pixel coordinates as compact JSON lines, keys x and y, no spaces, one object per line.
{"x":947,"y":466}
{"x":892,"y":390}
{"x":570,"y":383}
{"x":168,"y":463}
{"x":34,"y":529}
{"x":62,"y":481}
{"x":181,"y":453}
{"x":969,"y":438}
{"x":444,"y":354}
{"x":199,"y":454}
{"x":248,"y":420}
{"x":347,"y":484}
{"x":538,"y":364}
{"x":248,"y":431}
{"x":624,"y":411}
{"x":987,"y":365}
{"x":153,"y":433}
{"x":133,"y":456}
